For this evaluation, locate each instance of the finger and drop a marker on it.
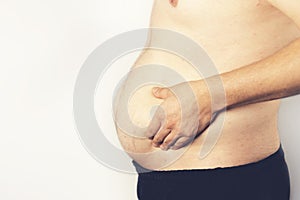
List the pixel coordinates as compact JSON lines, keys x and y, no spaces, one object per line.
{"x":181,"y":142}
{"x":160,"y":136}
{"x":155,"y":123}
{"x":169,"y":140}
{"x":161,"y":93}
{"x":153,"y":127}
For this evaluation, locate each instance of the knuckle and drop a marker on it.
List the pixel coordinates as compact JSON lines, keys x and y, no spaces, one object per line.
{"x":157,"y":140}
{"x":173,"y":117}
{"x":167,"y":141}
{"x":161,"y":114}
{"x":170,"y":123}
{"x":176,"y":130}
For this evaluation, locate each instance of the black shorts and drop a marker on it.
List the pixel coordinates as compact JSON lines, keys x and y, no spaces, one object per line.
{"x":267,"y":179}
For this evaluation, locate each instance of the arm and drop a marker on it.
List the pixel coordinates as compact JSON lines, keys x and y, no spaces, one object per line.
{"x":272,"y":78}
{"x":275,"y":77}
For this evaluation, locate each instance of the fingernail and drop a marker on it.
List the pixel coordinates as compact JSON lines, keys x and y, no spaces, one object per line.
{"x":155,"y":145}
{"x":155,"y":89}
{"x":164,"y":148}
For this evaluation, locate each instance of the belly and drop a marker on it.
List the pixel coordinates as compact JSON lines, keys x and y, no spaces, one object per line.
{"x":248,"y":133}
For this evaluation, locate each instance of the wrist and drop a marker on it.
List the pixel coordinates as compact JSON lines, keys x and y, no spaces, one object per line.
{"x":210,"y":92}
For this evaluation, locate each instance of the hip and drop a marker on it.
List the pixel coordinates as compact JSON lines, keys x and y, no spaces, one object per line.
{"x":266,"y":179}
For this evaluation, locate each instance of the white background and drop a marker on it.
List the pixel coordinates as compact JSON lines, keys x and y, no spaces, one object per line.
{"x":43,"y":44}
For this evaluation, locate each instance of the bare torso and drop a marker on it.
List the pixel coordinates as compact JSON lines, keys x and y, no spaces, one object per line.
{"x":234,"y":34}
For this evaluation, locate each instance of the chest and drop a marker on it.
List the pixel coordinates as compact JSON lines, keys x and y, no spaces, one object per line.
{"x":234,"y":33}
{"x":203,"y":12}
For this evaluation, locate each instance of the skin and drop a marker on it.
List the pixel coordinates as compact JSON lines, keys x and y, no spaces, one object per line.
{"x":261,"y":81}
{"x":275,"y":77}
{"x":255,"y":40}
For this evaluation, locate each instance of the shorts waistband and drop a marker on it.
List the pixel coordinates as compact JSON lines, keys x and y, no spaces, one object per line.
{"x":266,"y":162}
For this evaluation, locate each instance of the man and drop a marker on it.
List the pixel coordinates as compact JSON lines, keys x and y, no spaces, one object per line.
{"x":255,"y":46}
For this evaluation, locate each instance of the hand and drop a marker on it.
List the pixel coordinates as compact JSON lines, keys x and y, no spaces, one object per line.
{"x":184,"y":113}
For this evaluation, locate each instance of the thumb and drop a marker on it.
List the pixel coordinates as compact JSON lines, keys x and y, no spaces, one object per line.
{"x":160,"y":93}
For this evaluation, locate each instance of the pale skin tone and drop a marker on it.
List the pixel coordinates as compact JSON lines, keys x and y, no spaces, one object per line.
{"x":256,"y":52}
{"x":275,"y":77}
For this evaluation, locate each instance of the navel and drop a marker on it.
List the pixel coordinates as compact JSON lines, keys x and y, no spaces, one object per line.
{"x":173,"y":3}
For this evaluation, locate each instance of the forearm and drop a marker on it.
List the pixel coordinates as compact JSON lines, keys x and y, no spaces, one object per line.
{"x":272,"y":78}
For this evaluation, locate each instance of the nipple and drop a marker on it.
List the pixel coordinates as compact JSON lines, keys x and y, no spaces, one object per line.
{"x":173,"y":3}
